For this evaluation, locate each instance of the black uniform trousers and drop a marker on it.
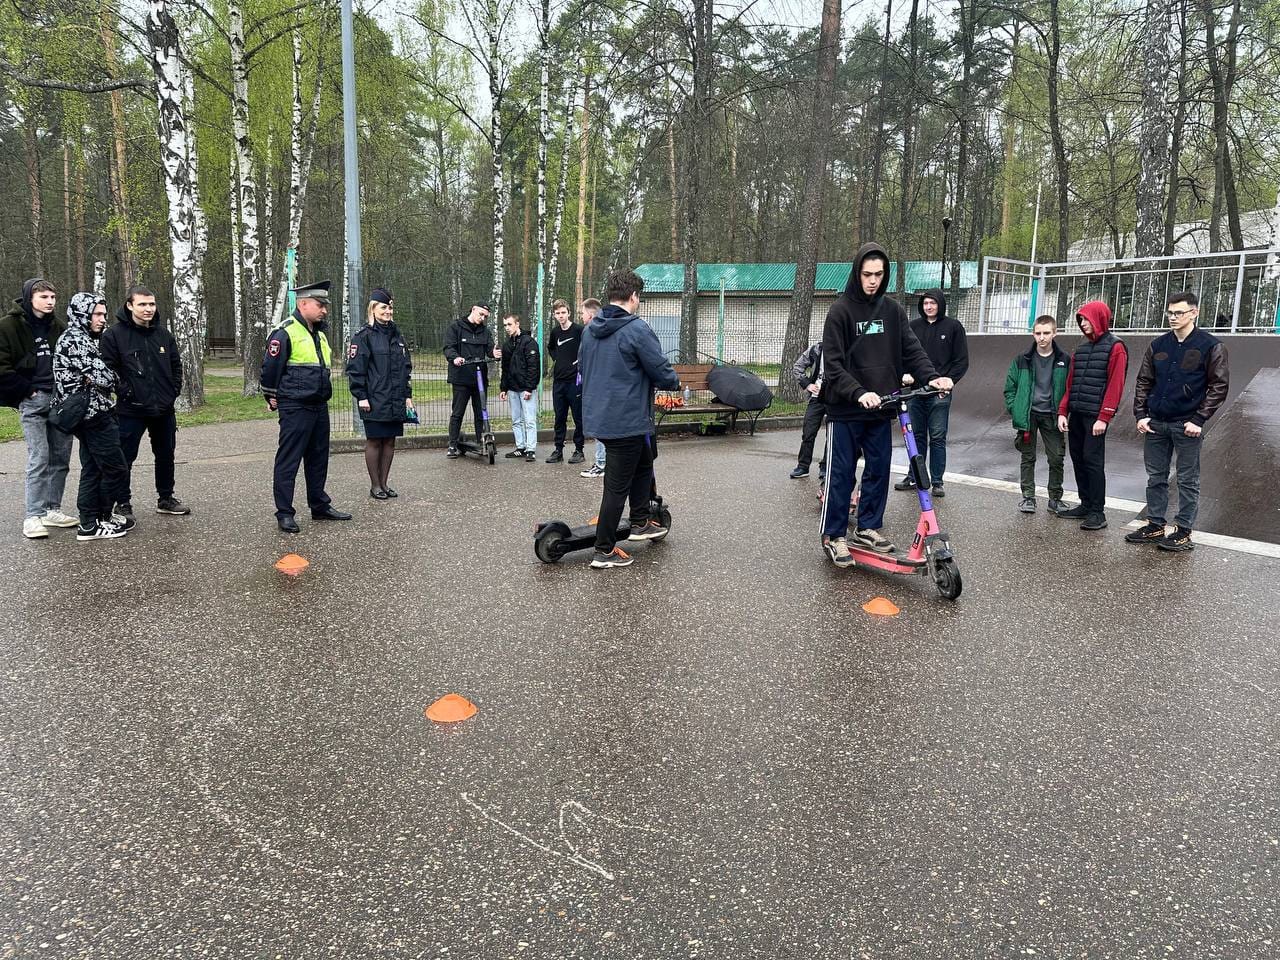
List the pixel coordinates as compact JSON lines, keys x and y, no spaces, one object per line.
{"x":628,"y":475}
{"x":164,"y":438}
{"x":566,"y":395}
{"x":462,"y":394}
{"x":1088,"y":460}
{"x":304,"y":438}
{"x":814,"y":414}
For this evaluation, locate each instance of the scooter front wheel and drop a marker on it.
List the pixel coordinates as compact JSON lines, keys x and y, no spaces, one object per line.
{"x":491,"y":449}
{"x":946,"y":577}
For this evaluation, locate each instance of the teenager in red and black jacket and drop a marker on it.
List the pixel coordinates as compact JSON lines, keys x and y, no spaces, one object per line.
{"x":1095,"y":384}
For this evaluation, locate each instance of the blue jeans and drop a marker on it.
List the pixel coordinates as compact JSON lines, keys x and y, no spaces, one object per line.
{"x":600,"y":454}
{"x":48,"y":455}
{"x":929,"y":416}
{"x":845,"y":440}
{"x":1158,"y":450}
{"x":524,"y":419}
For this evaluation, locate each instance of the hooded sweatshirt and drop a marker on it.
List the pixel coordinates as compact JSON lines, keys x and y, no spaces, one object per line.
{"x":77,"y":361}
{"x":26,"y":349}
{"x":622,"y":362}
{"x":1095,"y":381}
{"x":146,"y":362}
{"x":867,"y":345}
{"x":943,"y":339}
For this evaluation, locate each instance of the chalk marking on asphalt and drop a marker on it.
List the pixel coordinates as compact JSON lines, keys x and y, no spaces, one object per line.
{"x":1244,"y":683}
{"x":574,"y":856}
{"x":1257,"y":548}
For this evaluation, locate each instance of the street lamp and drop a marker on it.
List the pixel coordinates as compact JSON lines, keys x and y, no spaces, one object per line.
{"x":946,"y":232}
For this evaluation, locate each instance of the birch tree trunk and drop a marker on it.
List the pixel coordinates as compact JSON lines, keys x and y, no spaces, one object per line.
{"x":492,"y":28}
{"x":544,"y":131}
{"x":66,"y":206}
{"x":176,"y":148}
{"x":583,"y":155}
{"x":557,"y":221}
{"x":255,"y":308}
{"x":626,"y":215}
{"x":907,"y":172}
{"x":1179,"y":125}
{"x":799,"y":317}
{"x":697,"y":129}
{"x":299,"y":171}
{"x":199,"y":222}
{"x":80,"y":189}
{"x":237,"y":301}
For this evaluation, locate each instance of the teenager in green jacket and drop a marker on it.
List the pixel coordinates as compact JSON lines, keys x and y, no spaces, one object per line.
{"x":1033,"y":390}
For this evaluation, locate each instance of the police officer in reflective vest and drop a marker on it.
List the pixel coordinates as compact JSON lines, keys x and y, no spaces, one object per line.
{"x":296,"y":382}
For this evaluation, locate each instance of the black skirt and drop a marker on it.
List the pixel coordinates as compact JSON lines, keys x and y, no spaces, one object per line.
{"x":383,"y":429}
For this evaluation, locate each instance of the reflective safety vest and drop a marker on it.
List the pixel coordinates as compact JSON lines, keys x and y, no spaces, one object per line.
{"x":302,"y":346}
{"x":307,"y":375}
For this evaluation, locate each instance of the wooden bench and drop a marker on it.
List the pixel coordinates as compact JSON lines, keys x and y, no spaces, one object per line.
{"x":694,"y":376}
{"x":221,"y":348}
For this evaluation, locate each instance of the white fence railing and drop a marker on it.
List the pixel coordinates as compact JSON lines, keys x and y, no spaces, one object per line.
{"x":1239,"y":291}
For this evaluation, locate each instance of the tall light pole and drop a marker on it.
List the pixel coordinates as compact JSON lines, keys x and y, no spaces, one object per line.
{"x":351,"y":172}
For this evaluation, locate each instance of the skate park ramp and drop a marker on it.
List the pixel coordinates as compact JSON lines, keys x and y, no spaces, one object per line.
{"x":1242,"y":442}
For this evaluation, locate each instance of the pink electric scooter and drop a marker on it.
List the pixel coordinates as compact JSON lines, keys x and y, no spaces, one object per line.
{"x":930,"y":554}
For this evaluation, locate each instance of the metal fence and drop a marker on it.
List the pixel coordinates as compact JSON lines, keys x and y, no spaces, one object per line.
{"x":1239,"y":291}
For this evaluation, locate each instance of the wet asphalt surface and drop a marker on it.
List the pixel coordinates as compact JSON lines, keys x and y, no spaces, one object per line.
{"x":713,"y":753}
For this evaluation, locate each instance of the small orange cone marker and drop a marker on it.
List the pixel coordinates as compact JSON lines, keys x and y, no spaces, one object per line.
{"x":291,"y":564}
{"x":880,"y":607}
{"x":450,"y":709}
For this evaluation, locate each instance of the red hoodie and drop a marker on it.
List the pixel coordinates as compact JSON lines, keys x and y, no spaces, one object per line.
{"x":1099,"y":316}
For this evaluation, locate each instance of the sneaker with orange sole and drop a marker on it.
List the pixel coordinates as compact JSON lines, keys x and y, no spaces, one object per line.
{"x":617,"y":557}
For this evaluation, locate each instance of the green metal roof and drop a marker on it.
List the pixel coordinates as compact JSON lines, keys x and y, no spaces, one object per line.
{"x":781,"y":277}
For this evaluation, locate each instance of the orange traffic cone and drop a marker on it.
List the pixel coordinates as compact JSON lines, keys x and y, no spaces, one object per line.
{"x":450,"y":709}
{"x":291,"y":564}
{"x":880,"y":607}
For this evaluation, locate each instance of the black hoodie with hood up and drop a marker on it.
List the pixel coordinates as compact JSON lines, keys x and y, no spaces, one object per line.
{"x":943,"y":339}
{"x":867,"y":345}
{"x":25,"y":368}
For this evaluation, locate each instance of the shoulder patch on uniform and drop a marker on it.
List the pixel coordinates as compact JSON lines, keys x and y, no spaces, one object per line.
{"x":353,"y":350}
{"x":273,"y":347}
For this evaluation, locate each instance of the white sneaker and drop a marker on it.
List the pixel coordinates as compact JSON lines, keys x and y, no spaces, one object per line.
{"x":592,"y":472}
{"x":33,"y":529}
{"x":56,"y":518}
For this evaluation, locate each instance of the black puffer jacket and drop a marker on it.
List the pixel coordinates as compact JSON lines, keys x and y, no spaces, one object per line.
{"x":520,"y":367}
{"x":380,"y":370}
{"x":470,"y":342}
{"x":146,"y":363}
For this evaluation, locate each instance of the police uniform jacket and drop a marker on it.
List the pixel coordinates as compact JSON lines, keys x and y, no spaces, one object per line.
{"x":470,"y":342}
{"x":296,"y":368}
{"x":379,"y":369}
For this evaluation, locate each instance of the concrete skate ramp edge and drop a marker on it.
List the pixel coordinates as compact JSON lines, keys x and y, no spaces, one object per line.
{"x":1241,"y":449}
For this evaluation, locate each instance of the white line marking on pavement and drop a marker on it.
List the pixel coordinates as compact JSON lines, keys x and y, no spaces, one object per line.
{"x":1255,"y":548}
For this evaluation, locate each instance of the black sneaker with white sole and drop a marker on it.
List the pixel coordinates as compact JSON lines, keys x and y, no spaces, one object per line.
{"x":100,"y":531}
{"x":652,"y":530}
{"x":124,"y":510}
{"x":617,"y":557}
{"x":172,"y":506}
{"x":1147,"y":533}
{"x":124,"y":523}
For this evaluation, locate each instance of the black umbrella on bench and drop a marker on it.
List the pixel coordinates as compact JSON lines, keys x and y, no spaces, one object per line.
{"x":739,"y":388}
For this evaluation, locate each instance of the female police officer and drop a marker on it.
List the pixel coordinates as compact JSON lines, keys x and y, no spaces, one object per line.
{"x":379,"y":373}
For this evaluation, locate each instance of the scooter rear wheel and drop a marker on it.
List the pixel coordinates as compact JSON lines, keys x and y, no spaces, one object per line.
{"x":946,"y":577}
{"x":491,"y":449}
{"x":664,"y":518}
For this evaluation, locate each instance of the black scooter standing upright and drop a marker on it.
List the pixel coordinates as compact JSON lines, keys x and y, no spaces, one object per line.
{"x":484,"y":445}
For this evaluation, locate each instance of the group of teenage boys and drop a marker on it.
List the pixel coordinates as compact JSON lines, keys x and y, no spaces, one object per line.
{"x":132,"y":372}
{"x":1067,"y":401}
{"x":520,"y":375}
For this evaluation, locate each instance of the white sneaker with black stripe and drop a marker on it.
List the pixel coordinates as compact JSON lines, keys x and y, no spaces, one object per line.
{"x":102,"y":530}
